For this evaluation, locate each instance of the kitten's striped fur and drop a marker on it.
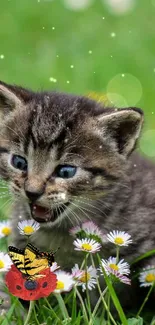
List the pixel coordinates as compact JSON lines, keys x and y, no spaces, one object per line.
{"x":112,"y":187}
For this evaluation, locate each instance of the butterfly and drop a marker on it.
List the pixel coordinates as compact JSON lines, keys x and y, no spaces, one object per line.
{"x":30,"y":261}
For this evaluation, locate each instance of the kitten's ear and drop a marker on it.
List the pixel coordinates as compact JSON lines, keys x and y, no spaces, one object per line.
{"x":123,"y":126}
{"x":8,"y":100}
{"x":12,"y":97}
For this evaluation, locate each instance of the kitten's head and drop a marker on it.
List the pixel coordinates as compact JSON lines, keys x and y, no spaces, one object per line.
{"x":57,"y":150}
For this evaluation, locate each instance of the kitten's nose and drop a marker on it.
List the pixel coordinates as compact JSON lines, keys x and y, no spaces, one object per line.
{"x":34,"y":187}
{"x":33,"y":196}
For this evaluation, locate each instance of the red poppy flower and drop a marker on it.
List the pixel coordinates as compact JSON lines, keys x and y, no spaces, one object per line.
{"x":22,"y":287}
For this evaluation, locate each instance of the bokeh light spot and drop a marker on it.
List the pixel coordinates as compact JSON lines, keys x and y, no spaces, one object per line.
{"x":113,"y":34}
{"x":77,"y":4}
{"x":128,"y":87}
{"x":119,"y":7}
{"x":116,"y":100}
{"x":146,"y":143}
{"x":52,"y":79}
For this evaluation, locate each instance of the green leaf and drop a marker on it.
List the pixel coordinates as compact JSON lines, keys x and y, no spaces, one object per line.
{"x":141,"y":257}
{"x":135,"y":321}
{"x":114,"y":296}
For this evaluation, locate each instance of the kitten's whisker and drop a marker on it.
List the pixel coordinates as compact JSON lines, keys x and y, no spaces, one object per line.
{"x":73,"y":154}
{"x":91,"y":205}
{"x":5,"y":204}
{"x":13,"y":142}
{"x":58,"y":212}
{"x":17,"y":134}
{"x":70,"y":144}
{"x":84,"y":146}
{"x":68,"y":217}
{"x":82,"y":210}
{"x":74,"y":214}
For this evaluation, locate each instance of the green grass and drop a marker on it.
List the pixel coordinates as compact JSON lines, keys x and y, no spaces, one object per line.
{"x":73,"y":308}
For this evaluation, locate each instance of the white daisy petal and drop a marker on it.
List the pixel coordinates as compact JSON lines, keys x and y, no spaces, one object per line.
{"x":147,"y":276}
{"x":85,"y":278}
{"x":76,"y":272}
{"x":5,"y":262}
{"x":119,"y":238}
{"x":123,"y":278}
{"x":75,"y":230}
{"x":90,"y":230}
{"x":5,"y":228}
{"x":65,"y":281}
{"x":54,"y":267}
{"x":86,"y":245}
{"x":28,"y":227}
{"x":111,"y":265}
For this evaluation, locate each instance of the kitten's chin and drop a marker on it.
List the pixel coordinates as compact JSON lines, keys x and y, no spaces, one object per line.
{"x":44,"y":215}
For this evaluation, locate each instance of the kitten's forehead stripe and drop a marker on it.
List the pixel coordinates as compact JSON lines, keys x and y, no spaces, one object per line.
{"x":32,"y":137}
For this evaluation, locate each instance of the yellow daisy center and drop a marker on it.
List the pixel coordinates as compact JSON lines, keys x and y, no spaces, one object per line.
{"x":87,"y":247}
{"x":85,"y":277}
{"x":114,"y":267}
{"x":28,"y":230}
{"x":1,"y":264}
{"x":150,"y":277}
{"x":60,"y":285}
{"x":119,"y":241}
{"x":6,"y":231}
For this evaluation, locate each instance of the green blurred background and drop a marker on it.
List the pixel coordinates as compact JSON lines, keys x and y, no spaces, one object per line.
{"x":83,"y":46}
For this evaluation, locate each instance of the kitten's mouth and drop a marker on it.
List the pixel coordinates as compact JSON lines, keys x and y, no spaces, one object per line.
{"x":42,"y":214}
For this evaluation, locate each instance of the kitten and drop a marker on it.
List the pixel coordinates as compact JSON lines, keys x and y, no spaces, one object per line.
{"x":68,"y":159}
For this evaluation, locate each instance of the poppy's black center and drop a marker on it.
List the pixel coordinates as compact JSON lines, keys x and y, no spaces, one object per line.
{"x":44,"y":285}
{"x":30,"y":285}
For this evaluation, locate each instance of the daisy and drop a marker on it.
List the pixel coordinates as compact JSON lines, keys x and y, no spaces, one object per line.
{"x":85,"y":278}
{"x":93,"y":231}
{"x":86,"y":245}
{"x":120,"y":238}
{"x":75,"y":230}
{"x":147,"y":276}
{"x":76,"y":272}
{"x":65,"y":281}
{"x":111,"y":266}
{"x":5,"y":262}
{"x":28,"y":227}
{"x":90,"y":230}
{"x":117,"y":271}
{"x":54,"y":267}
{"x":5,"y":229}
{"x":122,"y":278}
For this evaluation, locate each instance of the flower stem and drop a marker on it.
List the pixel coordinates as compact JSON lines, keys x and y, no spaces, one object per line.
{"x":87,"y":292}
{"x":97,"y":305}
{"x":82,"y":304}
{"x":35,"y":316}
{"x":102,"y":298}
{"x":32,"y":302}
{"x":144,"y":302}
{"x":62,"y":305}
{"x":108,"y":307}
{"x":83,"y":262}
{"x":53,"y":312}
{"x":117,"y":254}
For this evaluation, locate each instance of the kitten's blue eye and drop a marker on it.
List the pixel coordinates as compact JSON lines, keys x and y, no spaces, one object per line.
{"x":65,"y":171}
{"x":19,"y":162}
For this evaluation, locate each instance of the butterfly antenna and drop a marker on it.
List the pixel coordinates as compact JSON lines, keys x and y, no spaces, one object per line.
{"x":56,"y":251}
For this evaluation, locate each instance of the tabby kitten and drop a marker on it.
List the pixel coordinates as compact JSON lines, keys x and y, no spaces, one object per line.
{"x":68,"y":159}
